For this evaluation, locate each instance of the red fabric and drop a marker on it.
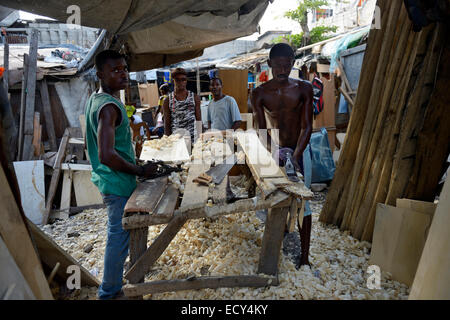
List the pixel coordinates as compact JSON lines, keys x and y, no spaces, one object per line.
{"x":264,"y":77}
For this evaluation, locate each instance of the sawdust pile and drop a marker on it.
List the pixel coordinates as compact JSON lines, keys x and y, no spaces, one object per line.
{"x":230,"y":246}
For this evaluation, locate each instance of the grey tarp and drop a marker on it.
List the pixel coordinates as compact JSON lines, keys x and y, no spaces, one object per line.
{"x":158,"y":32}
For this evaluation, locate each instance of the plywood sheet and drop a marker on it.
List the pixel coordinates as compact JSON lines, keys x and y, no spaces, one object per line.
{"x":148,"y":94}
{"x":398,"y":240}
{"x":235,"y":83}
{"x":30,"y":176}
{"x":86,"y":193}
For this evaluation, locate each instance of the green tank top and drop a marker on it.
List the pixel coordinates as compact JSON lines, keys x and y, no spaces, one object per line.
{"x":107,"y":180}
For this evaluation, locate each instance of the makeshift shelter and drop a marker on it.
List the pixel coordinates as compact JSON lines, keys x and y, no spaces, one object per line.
{"x":159,"y":33}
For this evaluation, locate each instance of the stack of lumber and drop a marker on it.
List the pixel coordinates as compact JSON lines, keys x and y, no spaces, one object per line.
{"x":397,"y":140}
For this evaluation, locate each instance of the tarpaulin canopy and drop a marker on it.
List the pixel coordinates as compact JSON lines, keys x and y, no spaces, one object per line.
{"x":156,"y":33}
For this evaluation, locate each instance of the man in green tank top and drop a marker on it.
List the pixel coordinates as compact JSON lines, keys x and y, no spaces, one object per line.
{"x":114,"y":169}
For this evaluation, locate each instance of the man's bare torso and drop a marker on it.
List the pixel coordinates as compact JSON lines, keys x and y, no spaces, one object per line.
{"x":284,"y":106}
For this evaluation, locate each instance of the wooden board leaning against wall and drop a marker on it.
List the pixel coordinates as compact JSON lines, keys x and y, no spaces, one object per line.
{"x":235,"y":85}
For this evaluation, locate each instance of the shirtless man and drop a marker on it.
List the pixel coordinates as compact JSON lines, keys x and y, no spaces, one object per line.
{"x":288,"y":104}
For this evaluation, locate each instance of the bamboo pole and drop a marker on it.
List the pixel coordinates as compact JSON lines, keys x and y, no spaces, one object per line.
{"x":381,"y":127}
{"x":336,"y":195}
{"x":404,"y":160}
{"x":430,"y":161}
{"x":372,"y":108}
{"x":423,"y":79}
{"x":391,"y":145}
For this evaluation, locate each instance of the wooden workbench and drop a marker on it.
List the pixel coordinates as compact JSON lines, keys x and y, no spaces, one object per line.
{"x":158,"y":202}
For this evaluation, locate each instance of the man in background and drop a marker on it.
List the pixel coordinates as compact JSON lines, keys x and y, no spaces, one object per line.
{"x":288,"y":104}
{"x":223,"y":111}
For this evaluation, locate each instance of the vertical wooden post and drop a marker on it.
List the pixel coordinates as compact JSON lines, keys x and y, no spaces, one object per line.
{"x":137,"y":247}
{"x":55,"y":176}
{"x":198,"y":80}
{"x":22,"y":106}
{"x":48,"y":117}
{"x":6,"y":63}
{"x":27,"y":153}
{"x":272,"y":240}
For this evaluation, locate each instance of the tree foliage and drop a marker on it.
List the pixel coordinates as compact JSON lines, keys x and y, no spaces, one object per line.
{"x":300,"y":15}
{"x":320,"y":33}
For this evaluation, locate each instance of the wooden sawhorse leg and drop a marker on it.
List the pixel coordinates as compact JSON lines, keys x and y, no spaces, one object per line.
{"x":272,"y":240}
{"x":137,"y":247}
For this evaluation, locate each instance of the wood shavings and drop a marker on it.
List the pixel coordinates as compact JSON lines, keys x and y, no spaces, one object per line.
{"x":163,"y":143}
{"x":230,"y":246}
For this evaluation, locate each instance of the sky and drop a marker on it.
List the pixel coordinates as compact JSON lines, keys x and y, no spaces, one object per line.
{"x":274,"y":19}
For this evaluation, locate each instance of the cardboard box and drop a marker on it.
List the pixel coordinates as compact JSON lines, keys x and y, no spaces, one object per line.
{"x":149,"y":94}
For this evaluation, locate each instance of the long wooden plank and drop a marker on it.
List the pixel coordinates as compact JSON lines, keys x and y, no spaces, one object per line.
{"x":67,"y":190}
{"x":31,"y":83}
{"x":13,"y":285}
{"x":139,"y":220}
{"x":30,"y":96}
{"x":48,"y":116}
{"x":51,"y":253}
{"x":15,"y":235}
{"x":37,"y":134}
{"x":257,"y":156}
{"x":168,"y":202}
{"x":146,"y":261}
{"x":272,"y":240}
{"x":433,"y":273}
{"x":147,"y":195}
{"x":55,"y":176}
{"x":195,"y":194}
{"x":6,"y":63}
{"x":277,"y":200}
{"x":261,"y":164}
{"x":199,"y":283}
{"x":22,"y":107}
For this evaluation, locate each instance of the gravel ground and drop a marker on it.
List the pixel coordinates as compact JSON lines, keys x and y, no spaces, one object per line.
{"x":230,"y":246}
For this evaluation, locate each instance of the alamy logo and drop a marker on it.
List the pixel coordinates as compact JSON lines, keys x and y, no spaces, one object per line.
{"x":74,"y":280}
{"x":374,"y":279}
{"x":74,"y":20}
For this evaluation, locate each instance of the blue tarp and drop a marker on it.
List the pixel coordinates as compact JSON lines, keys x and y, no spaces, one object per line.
{"x":345,"y":43}
{"x":323,"y":166}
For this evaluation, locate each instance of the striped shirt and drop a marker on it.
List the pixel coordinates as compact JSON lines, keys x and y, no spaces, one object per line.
{"x":183,"y":113}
